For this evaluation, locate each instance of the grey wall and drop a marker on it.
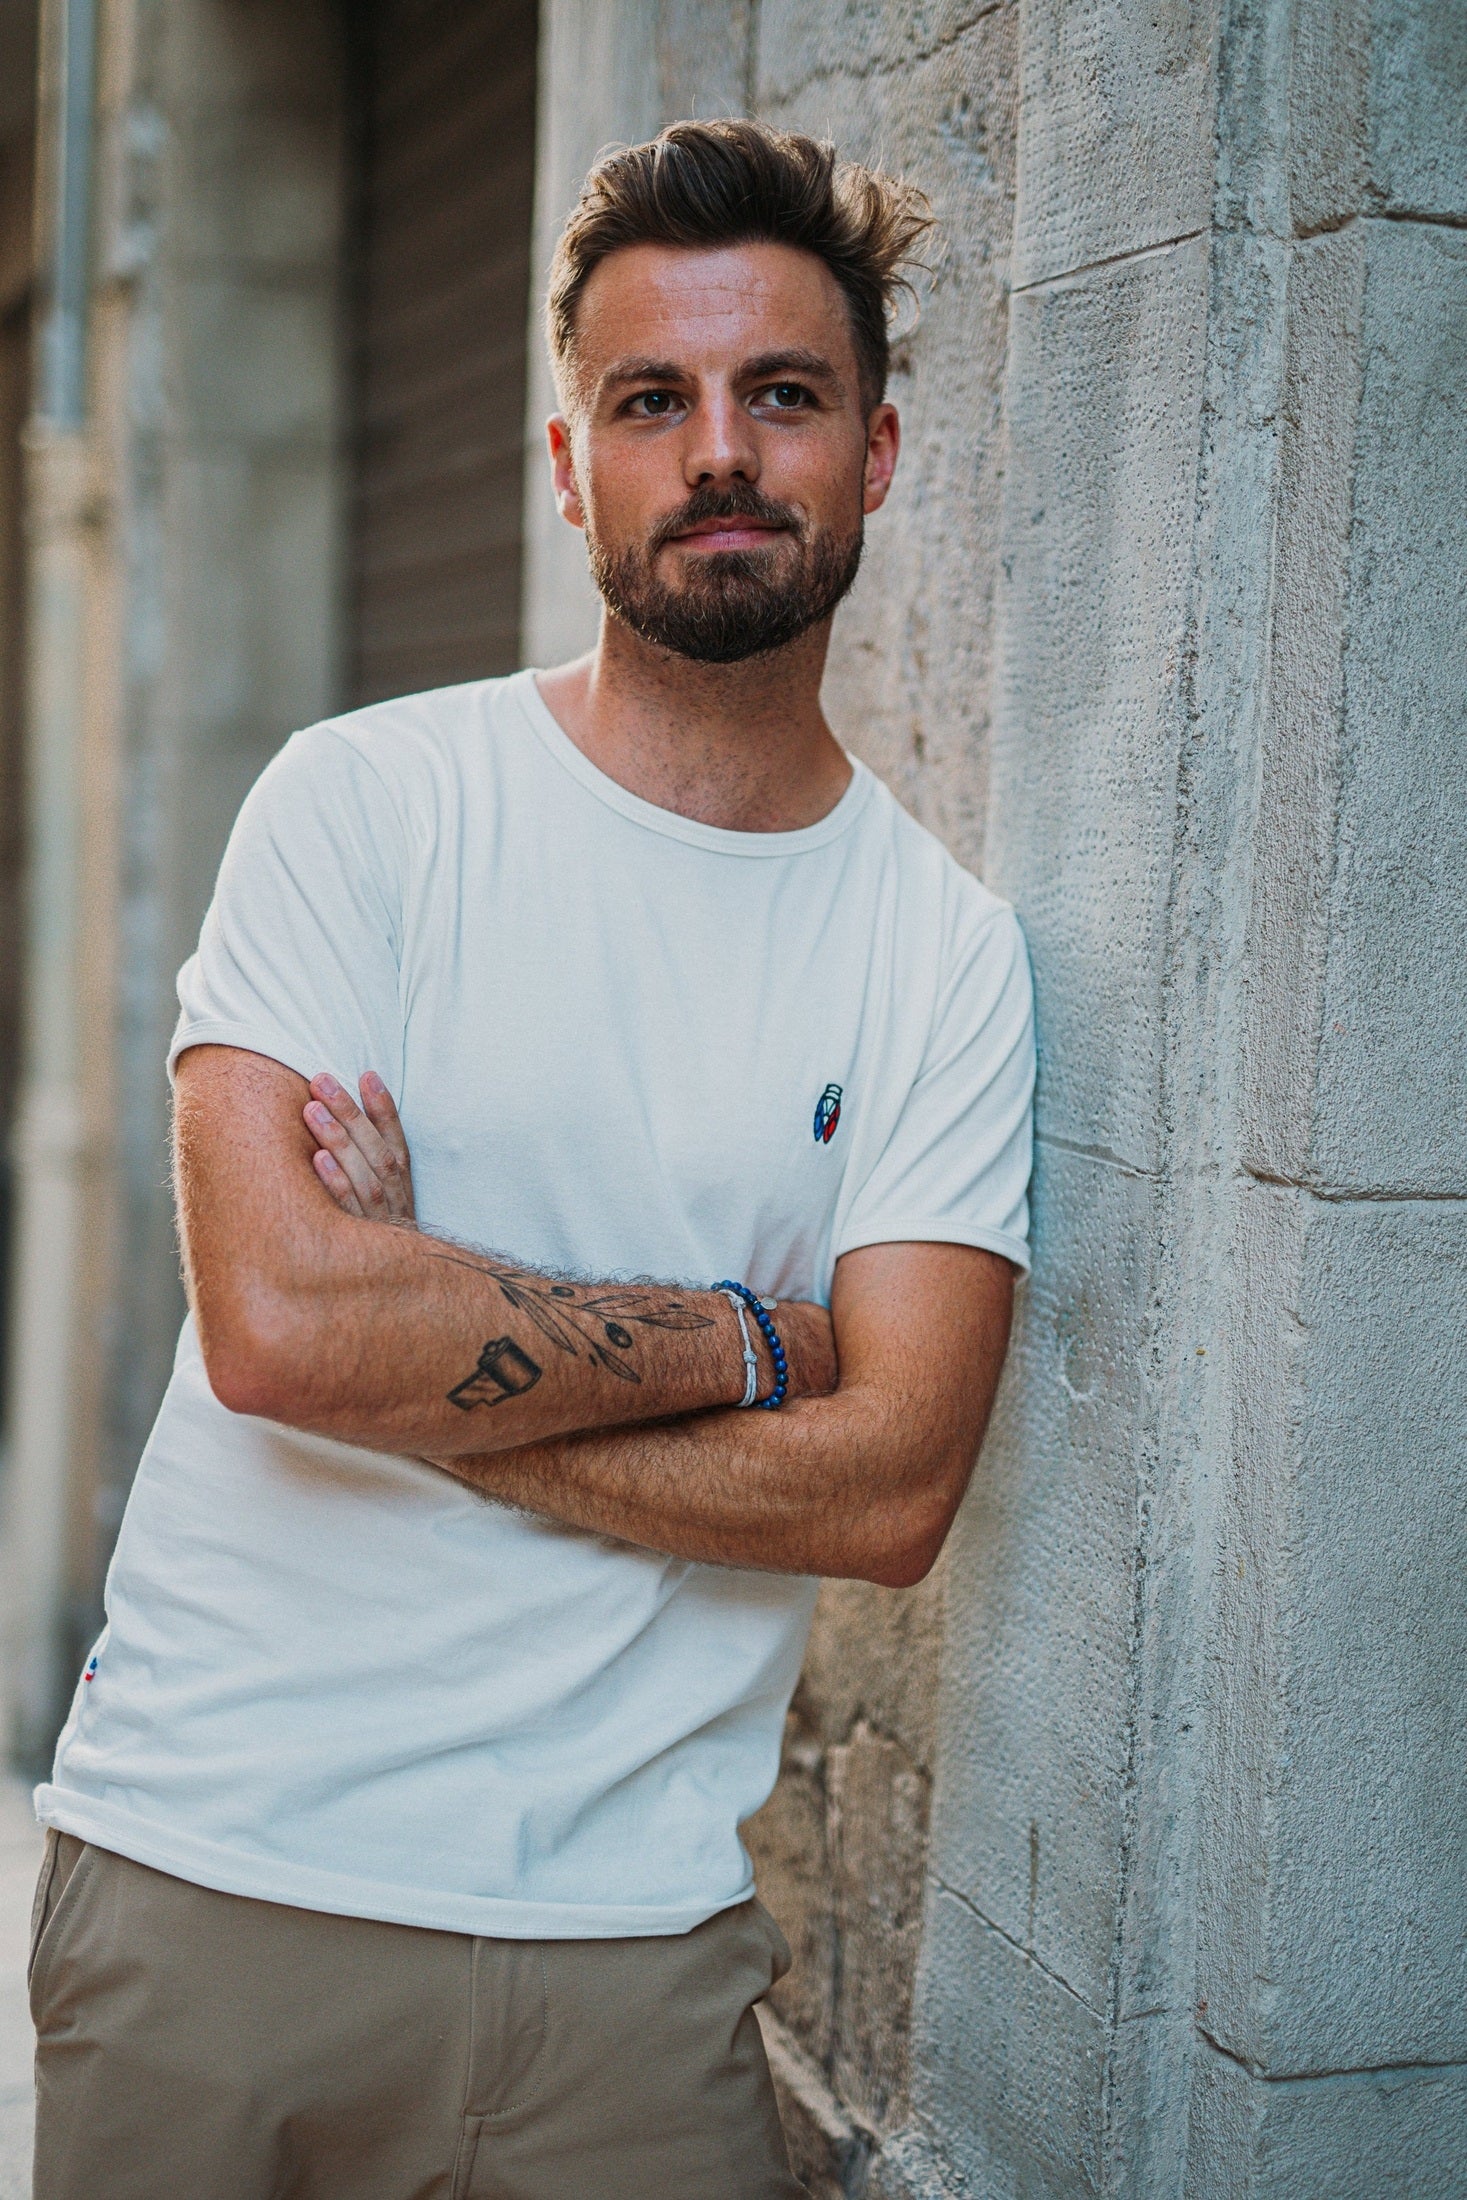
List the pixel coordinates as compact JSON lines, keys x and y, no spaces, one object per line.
{"x":1167,"y":644}
{"x":220,"y":420}
{"x":1198,"y":1906}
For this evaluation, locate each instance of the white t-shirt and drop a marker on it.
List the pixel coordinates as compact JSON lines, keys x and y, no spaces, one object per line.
{"x":340,"y":1679}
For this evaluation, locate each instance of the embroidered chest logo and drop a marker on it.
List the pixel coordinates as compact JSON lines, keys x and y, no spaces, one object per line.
{"x":91,"y":1671}
{"x":827,"y":1114}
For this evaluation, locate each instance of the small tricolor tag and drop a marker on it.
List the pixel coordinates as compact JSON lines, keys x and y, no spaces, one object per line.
{"x":827,"y":1114}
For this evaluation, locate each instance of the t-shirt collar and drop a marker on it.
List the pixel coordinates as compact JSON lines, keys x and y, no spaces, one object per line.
{"x":521,"y":689}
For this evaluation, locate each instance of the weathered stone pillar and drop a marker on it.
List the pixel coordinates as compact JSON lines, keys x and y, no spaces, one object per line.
{"x":59,"y":1255}
{"x":185,"y":616}
{"x":1196,"y":1922}
{"x":61,"y":1234}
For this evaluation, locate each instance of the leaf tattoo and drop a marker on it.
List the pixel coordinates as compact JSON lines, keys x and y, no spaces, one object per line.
{"x":597,"y":1328}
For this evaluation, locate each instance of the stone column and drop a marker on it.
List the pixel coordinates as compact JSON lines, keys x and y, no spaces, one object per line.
{"x":1196,"y":1911}
{"x":57,"y":1366}
{"x":62,"y":1223}
{"x":184,"y":618}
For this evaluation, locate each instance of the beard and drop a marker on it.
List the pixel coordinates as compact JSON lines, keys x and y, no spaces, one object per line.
{"x":731,"y":604}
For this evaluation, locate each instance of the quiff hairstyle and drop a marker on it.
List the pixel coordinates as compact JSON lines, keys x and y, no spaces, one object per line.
{"x":711,"y":184}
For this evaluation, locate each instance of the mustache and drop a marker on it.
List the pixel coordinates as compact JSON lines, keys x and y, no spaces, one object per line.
{"x":740,"y":500}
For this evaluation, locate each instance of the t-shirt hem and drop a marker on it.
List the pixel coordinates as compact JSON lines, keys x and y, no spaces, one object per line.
{"x":300,"y":1887}
{"x":930,"y":1230}
{"x":253,"y":1038}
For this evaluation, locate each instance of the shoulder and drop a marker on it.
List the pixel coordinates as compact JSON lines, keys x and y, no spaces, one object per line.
{"x":961,"y":919}
{"x":435,"y":732}
{"x":395,"y":771}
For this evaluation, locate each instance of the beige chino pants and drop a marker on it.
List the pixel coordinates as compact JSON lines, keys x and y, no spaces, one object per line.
{"x":198,"y":2046}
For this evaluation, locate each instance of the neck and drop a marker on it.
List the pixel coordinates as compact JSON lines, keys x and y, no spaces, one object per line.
{"x":743,"y":746}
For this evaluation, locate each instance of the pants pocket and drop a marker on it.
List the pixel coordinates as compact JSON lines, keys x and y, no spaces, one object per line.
{"x":65,"y":1870}
{"x":40,"y":1907}
{"x":780,"y":1955}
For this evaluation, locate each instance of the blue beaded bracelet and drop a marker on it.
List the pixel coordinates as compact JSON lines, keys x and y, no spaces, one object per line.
{"x":759,"y":1309}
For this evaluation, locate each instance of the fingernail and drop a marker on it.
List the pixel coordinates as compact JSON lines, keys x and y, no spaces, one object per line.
{"x":328,"y":1085}
{"x":318,"y":1115}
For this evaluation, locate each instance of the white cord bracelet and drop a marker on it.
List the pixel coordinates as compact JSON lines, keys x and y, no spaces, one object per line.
{"x":751,"y":1358}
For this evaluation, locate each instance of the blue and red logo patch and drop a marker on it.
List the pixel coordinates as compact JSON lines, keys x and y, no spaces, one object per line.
{"x":827,"y":1114}
{"x":91,"y":1671}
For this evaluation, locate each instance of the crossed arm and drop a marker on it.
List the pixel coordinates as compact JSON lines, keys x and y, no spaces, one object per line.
{"x":603,"y":1406}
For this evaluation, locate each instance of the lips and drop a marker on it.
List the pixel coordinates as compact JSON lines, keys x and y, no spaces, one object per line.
{"x":729,"y":534}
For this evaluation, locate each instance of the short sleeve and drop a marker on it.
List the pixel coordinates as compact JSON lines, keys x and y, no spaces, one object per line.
{"x":300,"y":951}
{"x":955,"y":1169}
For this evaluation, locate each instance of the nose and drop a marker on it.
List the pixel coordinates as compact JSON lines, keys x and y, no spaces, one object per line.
{"x":720,"y":446}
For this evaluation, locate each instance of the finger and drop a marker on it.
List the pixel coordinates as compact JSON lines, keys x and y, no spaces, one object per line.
{"x":359,"y":1129}
{"x":337,"y":1141}
{"x":337,"y":1182}
{"x":382,"y":1112}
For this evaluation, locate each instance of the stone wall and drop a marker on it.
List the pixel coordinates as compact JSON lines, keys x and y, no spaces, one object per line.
{"x":1193,"y":1927}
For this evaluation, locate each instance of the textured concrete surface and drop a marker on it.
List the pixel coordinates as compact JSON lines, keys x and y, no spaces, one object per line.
{"x":220,"y":412}
{"x":20,"y":1853}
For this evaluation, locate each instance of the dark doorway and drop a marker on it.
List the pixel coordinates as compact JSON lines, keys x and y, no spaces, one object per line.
{"x":446,"y":105}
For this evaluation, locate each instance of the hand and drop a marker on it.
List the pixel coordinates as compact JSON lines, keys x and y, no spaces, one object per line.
{"x":362,"y":1159}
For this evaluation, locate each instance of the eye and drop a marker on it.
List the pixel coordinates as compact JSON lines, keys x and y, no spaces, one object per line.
{"x":787,"y":396}
{"x":652,"y":404}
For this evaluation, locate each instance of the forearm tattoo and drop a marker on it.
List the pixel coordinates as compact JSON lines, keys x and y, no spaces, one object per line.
{"x":578,"y":1319}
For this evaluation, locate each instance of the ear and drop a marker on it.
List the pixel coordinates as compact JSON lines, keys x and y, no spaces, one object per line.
{"x":883,"y":441}
{"x":562,"y":470}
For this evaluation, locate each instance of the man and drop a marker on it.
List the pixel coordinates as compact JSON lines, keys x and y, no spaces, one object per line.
{"x":394,"y":1837}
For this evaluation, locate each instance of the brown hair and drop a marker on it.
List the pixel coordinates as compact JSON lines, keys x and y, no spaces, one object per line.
{"x":706,"y":184}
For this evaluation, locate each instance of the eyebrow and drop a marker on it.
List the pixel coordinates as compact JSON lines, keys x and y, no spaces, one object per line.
{"x":767,"y":366}
{"x":770,"y":365}
{"x":642,"y":370}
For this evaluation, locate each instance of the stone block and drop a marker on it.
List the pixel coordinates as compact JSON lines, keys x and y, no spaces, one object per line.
{"x":827,"y":2151}
{"x":873,"y":1655}
{"x":1329,"y":84}
{"x":1034,"y":1707}
{"x":1104,"y":409}
{"x":806,"y":52}
{"x":788,"y":1842}
{"x":878,"y":1839}
{"x":1418,"y":98}
{"x":1010,"y":2064}
{"x":705,"y":57}
{"x":1392,"y":1086}
{"x":1372,"y":2135}
{"x":1333,"y":1917}
{"x":1115,"y":131}
{"x":1298,"y":793}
